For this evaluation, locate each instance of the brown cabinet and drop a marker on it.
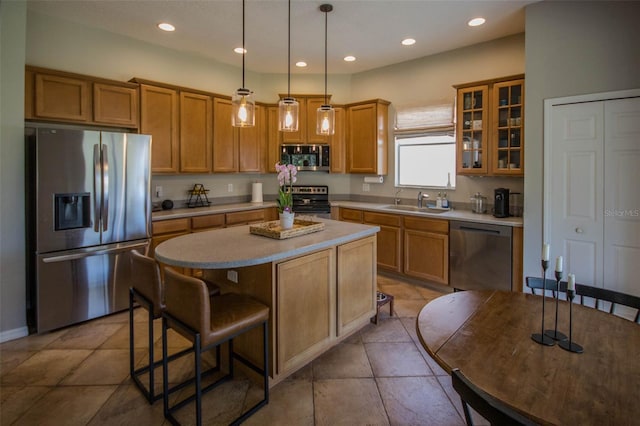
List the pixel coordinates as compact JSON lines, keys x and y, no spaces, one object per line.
{"x":159,"y":118}
{"x":115,"y":105}
{"x":426,"y":249}
{"x":367,"y":134}
{"x":196,"y":122}
{"x":351,"y":215}
{"x":72,"y":98}
{"x":207,"y":222}
{"x":337,"y":143}
{"x":306,"y":121}
{"x":245,"y":217}
{"x":237,"y":150}
{"x":490,"y":127}
{"x":356,"y":284}
{"x":272,"y":148}
{"x":389,"y":252}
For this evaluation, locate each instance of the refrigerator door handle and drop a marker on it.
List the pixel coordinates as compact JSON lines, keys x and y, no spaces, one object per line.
{"x":97,"y":182}
{"x":119,"y":249}
{"x":105,"y":188}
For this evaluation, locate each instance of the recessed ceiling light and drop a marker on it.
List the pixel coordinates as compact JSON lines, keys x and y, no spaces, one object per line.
{"x":408,"y":41}
{"x":301,"y":64}
{"x":165,"y":26}
{"x":349,"y":58}
{"x":475,"y":22}
{"x":240,"y":50}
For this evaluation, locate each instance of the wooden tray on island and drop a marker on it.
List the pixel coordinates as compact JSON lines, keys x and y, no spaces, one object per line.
{"x":273,"y":230}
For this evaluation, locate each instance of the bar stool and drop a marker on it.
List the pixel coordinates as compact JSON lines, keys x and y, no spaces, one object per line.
{"x":148,"y":292}
{"x":208,"y":322}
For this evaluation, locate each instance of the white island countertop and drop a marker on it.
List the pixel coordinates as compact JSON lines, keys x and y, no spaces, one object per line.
{"x":236,"y":247}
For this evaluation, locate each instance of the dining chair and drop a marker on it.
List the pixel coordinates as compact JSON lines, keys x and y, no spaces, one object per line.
{"x":497,"y":413}
{"x":586,"y":293}
{"x":147,"y":291}
{"x":208,"y":322}
{"x":615,"y":299}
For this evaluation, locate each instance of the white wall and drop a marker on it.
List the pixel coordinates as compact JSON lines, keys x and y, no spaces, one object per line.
{"x":13,"y":16}
{"x":572,"y":48}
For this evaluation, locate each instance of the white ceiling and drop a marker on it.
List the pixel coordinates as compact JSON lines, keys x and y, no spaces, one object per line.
{"x":371,"y":30}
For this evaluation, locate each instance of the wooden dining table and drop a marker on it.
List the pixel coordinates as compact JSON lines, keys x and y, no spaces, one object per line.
{"x":487,"y":335}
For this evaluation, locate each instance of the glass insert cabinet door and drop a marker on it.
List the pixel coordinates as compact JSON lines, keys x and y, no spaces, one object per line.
{"x":508,"y":134}
{"x":472,"y":130}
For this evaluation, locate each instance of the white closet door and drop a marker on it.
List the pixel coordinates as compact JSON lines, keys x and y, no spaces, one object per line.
{"x":575,"y":190}
{"x":622,"y":195}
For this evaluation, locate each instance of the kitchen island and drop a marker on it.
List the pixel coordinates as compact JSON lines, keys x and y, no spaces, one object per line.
{"x":320,"y":287}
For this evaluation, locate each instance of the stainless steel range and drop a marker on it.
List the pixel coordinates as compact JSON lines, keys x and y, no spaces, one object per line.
{"x":311,"y":199}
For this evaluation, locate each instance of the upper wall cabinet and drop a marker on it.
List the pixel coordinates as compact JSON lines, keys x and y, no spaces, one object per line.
{"x":237,"y":149}
{"x":367,"y":134}
{"x":306,"y":121}
{"x":159,"y":118}
{"x":196,"y":124}
{"x":71,"y":98}
{"x":490,"y":127}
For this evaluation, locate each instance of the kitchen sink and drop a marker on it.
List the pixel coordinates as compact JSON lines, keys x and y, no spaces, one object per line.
{"x":415,"y":209}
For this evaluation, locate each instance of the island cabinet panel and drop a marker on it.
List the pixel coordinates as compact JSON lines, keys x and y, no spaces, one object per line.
{"x":389,"y":244}
{"x":159,"y":118}
{"x":196,"y":122}
{"x":426,"y":249}
{"x":356,"y":284}
{"x":306,"y":300}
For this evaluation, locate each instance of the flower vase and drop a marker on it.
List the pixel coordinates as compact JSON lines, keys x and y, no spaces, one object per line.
{"x":286,"y":220}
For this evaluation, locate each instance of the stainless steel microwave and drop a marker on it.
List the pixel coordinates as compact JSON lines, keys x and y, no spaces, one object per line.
{"x":306,"y":157}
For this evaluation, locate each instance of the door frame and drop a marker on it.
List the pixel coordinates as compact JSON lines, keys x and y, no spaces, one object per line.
{"x":546,"y":154}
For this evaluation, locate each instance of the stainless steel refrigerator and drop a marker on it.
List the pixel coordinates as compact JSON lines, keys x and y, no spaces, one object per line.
{"x":88,"y":206}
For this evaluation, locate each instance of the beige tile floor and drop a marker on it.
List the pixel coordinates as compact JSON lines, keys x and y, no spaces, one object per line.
{"x":379,"y":376}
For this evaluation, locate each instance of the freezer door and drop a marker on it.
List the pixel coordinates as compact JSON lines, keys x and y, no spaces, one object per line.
{"x":65,"y":199}
{"x":126,"y":207}
{"x":78,"y":285}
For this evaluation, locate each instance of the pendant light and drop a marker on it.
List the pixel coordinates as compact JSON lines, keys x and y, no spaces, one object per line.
{"x":326,"y":115}
{"x":242,"y":103}
{"x":288,"y":108}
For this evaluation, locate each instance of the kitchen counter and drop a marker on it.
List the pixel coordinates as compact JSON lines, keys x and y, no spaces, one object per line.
{"x":464,"y":215}
{"x":213,"y":209}
{"x":241,"y":248}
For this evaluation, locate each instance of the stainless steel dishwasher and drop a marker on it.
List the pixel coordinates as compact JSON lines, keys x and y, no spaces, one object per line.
{"x":479,"y":256}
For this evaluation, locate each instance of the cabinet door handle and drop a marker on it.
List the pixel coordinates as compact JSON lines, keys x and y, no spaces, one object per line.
{"x":579,"y":230}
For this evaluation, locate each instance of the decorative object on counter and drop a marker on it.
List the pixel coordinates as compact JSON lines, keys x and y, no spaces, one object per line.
{"x":288,"y":108}
{"x":326,"y":115}
{"x":569,"y":345}
{"x":555,"y":334}
{"x":167,"y":205}
{"x":478,"y":203}
{"x":286,"y":178}
{"x":541,"y":338}
{"x":274,"y":229}
{"x":242,"y":102}
{"x":198,"y":196}
{"x":501,"y":202}
{"x":256,"y":192}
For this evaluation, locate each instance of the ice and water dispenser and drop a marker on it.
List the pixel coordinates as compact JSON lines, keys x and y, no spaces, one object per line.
{"x":72,"y":210}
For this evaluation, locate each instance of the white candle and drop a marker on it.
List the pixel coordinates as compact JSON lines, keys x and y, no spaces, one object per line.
{"x":545,"y":251}
{"x":559,"y":264}
{"x":571,"y":284}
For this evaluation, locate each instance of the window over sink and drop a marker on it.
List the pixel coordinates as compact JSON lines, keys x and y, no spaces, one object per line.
{"x":425,"y":160}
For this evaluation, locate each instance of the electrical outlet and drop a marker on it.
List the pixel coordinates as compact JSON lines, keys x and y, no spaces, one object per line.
{"x":366,"y":187}
{"x":232,"y":276}
{"x":158,"y":191}
{"x":230,"y":187}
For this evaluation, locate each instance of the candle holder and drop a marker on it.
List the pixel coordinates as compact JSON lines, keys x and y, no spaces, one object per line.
{"x":555,"y":334}
{"x":569,"y":345}
{"x":541,"y":338}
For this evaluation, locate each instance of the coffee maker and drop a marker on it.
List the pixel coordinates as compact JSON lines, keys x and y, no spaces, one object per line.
{"x":501,"y":202}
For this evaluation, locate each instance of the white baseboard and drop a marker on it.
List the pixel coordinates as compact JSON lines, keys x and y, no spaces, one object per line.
{"x":16,"y":333}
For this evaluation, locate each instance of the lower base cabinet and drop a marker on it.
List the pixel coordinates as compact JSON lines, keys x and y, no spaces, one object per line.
{"x":426,"y":255}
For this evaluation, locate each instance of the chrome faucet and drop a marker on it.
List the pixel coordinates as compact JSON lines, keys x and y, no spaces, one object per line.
{"x":421,"y":197}
{"x":396,"y":201}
